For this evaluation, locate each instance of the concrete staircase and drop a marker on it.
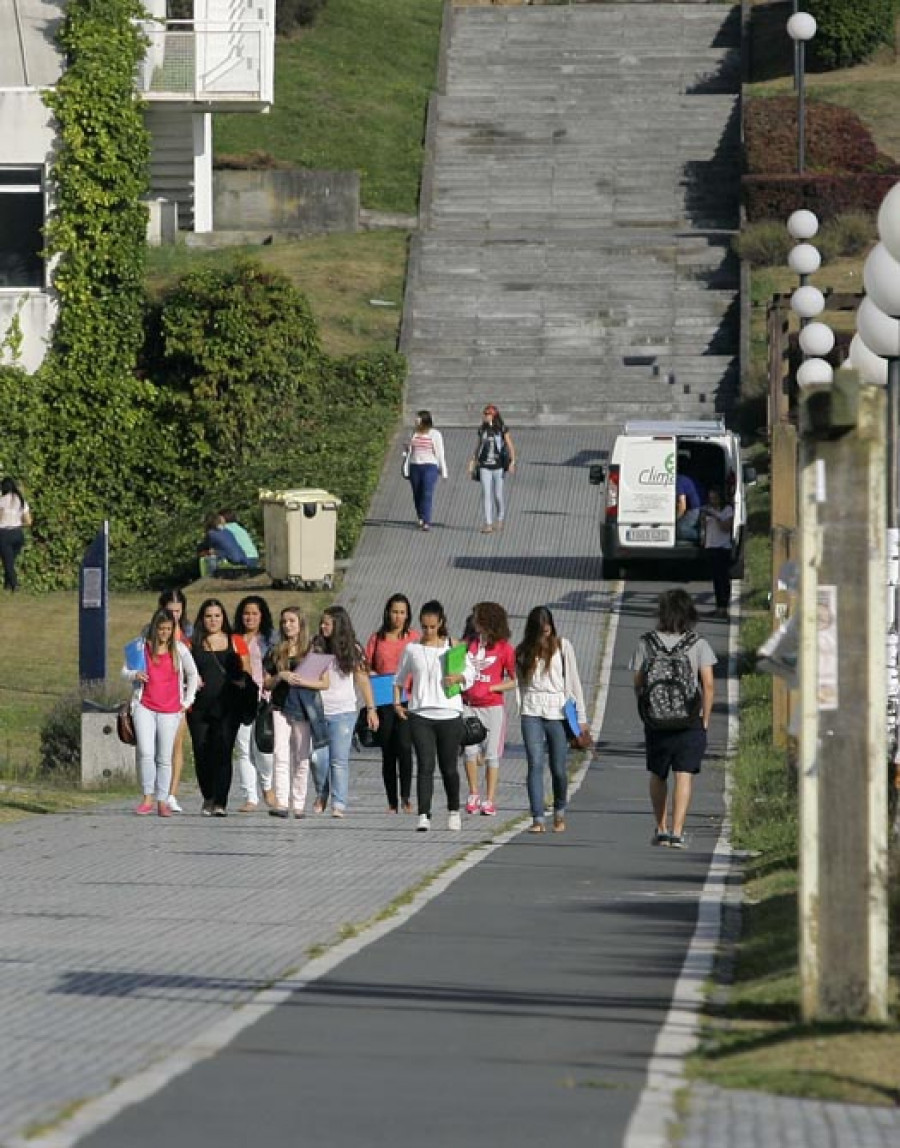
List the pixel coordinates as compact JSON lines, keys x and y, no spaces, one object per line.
{"x":580,"y":193}
{"x":172,"y":158}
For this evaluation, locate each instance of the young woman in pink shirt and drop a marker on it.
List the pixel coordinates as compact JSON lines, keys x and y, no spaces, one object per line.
{"x":495,"y":669}
{"x":383,"y":652}
{"x":163,"y":691}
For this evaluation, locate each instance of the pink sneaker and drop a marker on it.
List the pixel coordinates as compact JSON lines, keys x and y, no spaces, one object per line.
{"x":145,"y":807}
{"x":488,"y":809}
{"x":163,"y":809}
{"x":473,"y":804}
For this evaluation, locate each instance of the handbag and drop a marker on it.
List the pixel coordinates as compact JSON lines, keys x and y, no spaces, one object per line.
{"x":577,"y":737}
{"x":125,"y":724}
{"x":474,"y":731}
{"x":245,"y":697}
{"x":367,"y":738}
{"x":264,"y":728}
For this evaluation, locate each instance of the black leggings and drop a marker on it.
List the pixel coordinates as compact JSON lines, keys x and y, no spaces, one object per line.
{"x":396,"y":756}
{"x":213,"y":736}
{"x":719,"y":558}
{"x":436,"y":741}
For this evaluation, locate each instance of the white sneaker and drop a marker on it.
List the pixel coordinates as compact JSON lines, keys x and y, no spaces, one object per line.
{"x":172,"y":802}
{"x":423,"y":824}
{"x":454,"y":821}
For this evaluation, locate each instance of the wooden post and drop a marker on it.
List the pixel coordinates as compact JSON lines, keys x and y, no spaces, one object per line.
{"x":843,"y":792}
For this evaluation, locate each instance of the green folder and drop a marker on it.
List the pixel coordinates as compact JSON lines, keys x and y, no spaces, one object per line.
{"x":454,"y":662}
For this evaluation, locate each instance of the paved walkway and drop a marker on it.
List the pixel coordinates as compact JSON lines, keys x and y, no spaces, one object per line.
{"x":528,"y":996}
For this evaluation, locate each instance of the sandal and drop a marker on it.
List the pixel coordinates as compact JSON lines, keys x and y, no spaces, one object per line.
{"x":559,"y":824}
{"x":537,"y":827}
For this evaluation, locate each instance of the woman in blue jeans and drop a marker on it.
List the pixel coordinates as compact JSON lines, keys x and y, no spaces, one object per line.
{"x":547,"y":675}
{"x":331,"y":764}
{"x":426,"y":465}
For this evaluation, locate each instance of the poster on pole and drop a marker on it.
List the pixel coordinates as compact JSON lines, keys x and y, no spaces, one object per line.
{"x":827,"y":631}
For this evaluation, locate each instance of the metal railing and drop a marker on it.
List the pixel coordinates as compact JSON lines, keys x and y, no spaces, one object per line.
{"x":207,"y":62}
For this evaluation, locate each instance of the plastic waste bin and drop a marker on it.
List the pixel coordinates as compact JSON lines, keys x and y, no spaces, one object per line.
{"x":300,"y":528}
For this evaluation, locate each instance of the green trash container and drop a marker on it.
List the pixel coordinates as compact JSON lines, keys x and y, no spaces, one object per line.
{"x":300,"y":528}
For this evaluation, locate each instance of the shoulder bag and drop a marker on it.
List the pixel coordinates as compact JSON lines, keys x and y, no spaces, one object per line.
{"x":264,"y":728}
{"x":125,"y":724}
{"x":474,"y":730}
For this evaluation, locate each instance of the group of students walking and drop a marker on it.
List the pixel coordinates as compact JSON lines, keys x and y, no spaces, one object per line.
{"x":319,"y":688}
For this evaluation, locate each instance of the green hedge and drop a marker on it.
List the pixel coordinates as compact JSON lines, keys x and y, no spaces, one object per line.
{"x":849,"y":31}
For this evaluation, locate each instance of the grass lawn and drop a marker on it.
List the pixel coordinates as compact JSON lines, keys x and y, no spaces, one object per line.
{"x":351,"y":94}
{"x":339,"y":274}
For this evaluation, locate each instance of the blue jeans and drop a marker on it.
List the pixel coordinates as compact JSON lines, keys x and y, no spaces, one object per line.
{"x":545,"y":738}
{"x":423,"y":479}
{"x":331,"y":763}
{"x":492,"y":494}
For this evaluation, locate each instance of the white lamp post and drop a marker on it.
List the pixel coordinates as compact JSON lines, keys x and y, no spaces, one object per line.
{"x":817,"y":340}
{"x":803,"y":224}
{"x":807,"y":302}
{"x":801,"y":28}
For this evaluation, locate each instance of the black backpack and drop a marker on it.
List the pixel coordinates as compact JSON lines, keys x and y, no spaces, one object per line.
{"x":669,"y":698}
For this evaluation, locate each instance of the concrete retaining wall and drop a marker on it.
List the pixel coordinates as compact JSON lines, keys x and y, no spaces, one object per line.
{"x":310,"y":202}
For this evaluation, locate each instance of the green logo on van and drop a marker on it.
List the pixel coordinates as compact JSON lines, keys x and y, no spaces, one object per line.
{"x":670,"y":463}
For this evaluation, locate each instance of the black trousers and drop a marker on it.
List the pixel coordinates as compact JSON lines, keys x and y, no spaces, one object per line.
{"x":12,"y":539}
{"x":436,"y":742}
{"x":396,"y":756}
{"x":212,"y":736}
{"x":720,"y":571}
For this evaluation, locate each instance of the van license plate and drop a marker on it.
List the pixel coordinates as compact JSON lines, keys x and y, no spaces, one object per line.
{"x":647,"y":535}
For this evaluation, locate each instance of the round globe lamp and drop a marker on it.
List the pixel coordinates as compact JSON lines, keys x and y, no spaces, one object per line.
{"x":807,"y":302}
{"x":801,"y":27}
{"x":889,"y":221}
{"x":881,"y":278}
{"x":817,"y":340}
{"x":879,"y":332}
{"x":804,"y":259}
{"x":872,"y":368}
{"x":803,"y":224}
{"x":814,"y":373}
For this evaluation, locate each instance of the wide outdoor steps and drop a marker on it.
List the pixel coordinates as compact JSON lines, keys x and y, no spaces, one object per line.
{"x":577,"y":209}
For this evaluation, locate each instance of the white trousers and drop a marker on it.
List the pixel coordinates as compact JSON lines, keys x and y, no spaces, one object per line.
{"x":155,"y":734}
{"x":292,"y":748}
{"x":252,"y":765}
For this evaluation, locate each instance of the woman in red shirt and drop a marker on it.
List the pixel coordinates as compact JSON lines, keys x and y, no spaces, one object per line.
{"x":383,"y":652}
{"x":163,"y":691}
{"x":495,"y":666}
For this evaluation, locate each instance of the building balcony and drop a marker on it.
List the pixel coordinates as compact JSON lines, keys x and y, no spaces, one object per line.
{"x":217,"y":66}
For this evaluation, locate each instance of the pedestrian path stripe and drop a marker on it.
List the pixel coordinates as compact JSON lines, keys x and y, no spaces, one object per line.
{"x":655,"y":1114}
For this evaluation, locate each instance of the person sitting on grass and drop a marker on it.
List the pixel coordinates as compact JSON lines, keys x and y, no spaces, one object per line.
{"x":221,"y":544}
{"x":241,"y":536}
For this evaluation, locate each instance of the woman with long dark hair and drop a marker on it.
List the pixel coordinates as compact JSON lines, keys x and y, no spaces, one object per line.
{"x":15,"y":515}
{"x":383,"y":652}
{"x":222,"y":660}
{"x":347,"y":674}
{"x":494,"y":457}
{"x":162,"y":692}
{"x":253,"y":621}
{"x":434,"y":712}
{"x":290,"y":712}
{"x":548,"y":675}
{"x":495,"y":668}
{"x":175,"y":602}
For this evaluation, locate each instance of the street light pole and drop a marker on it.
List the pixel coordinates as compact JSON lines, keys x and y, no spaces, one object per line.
{"x":801,"y":27}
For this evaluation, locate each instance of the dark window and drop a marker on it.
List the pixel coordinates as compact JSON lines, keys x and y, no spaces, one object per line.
{"x":21,"y":227}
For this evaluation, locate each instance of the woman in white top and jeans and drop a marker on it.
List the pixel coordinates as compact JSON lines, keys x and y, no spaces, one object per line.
{"x":348,"y":673}
{"x":426,"y":465}
{"x":547,"y":675}
{"x":14,"y":515}
{"x":435,"y":719}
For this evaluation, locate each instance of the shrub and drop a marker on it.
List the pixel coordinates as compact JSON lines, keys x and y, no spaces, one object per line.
{"x":291,"y":14}
{"x":61,"y":737}
{"x":850,"y":30}
{"x":764,"y":244}
{"x":836,"y":138}
{"x":849,"y":234}
{"x":776,"y":196}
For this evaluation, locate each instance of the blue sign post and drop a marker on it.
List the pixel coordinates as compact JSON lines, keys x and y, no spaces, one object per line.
{"x":93,"y":609}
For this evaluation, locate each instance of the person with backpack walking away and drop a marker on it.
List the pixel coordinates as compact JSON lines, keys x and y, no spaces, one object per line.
{"x":673,"y":683}
{"x":494,"y":456}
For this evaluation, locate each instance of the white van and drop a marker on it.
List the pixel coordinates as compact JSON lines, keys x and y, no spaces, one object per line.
{"x":639,"y":516}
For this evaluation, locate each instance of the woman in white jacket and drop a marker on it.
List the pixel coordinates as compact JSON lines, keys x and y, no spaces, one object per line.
{"x":547,"y":676}
{"x":426,"y":465}
{"x":163,"y":691}
{"x":435,"y":718}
